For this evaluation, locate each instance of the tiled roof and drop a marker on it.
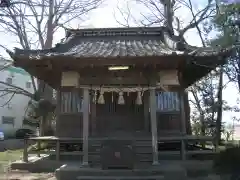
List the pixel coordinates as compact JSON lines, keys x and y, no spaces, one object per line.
{"x":117,"y":48}
{"x":117,"y":42}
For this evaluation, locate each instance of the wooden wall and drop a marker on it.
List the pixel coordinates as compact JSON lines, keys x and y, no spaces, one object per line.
{"x":69,"y":125}
{"x":128,"y":117}
{"x":70,"y":117}
{"x":168,"y":122}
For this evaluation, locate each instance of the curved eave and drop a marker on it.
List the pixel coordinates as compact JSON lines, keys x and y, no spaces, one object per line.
{"x":49,"y":68}
{"x":195,"y":71}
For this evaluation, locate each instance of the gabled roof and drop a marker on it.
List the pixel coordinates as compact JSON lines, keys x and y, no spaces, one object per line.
{"x":117,"y":43}
{"x":151,"y":46}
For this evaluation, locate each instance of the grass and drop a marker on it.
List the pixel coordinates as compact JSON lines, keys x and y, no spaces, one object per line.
{"x":9,"y":156}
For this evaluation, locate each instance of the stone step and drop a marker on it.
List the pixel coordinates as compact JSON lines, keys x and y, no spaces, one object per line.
{"x":163,"y":172}
{"x":111,"y":172}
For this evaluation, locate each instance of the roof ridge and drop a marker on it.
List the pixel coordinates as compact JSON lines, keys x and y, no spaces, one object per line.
{"x":115,"y":31}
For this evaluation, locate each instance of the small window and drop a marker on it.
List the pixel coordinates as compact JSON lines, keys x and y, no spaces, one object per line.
{"x":28,"y":84}
{"x":9,"y":80}
{"x":8,"y":120}
{"x":168,"y":101}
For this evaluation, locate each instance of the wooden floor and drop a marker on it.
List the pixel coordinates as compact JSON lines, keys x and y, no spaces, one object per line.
{"x":160,"y":138}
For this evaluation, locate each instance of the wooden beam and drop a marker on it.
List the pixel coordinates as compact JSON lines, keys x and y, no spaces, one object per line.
{"x":85,"y":125}
{"x":164,"y":61}
{"x":153,"y":116}
{"x":113,"y":80}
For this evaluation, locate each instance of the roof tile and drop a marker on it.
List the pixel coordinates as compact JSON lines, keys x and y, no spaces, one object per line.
{"x":131,"y":42}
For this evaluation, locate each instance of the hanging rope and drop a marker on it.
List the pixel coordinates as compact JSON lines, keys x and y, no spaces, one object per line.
{"x":139,"y":98}
{"x":101,"y":97}
{"x":121,"y":98}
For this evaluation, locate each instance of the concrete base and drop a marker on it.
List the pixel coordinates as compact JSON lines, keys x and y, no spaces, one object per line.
{"x":70,"y":170}
{"x":166,"y":172}
{"x":37,"y":164}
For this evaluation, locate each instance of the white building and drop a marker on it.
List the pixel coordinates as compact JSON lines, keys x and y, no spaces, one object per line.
{"x":236,"y":134}
{"x":12,"y":112}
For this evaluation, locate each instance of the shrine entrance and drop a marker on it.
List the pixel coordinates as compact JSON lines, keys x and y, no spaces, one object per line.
{"x":119,"y":113}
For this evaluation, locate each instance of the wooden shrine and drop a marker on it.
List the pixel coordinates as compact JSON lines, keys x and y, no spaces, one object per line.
{"x":121,"y":83}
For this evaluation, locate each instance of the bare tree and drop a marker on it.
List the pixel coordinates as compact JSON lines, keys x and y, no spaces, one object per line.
{"x":163,"y":12}
{"x":34,"y":23}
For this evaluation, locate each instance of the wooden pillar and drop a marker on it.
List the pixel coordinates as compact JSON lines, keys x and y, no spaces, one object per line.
{"x":146,"y":111}
{"x":93,"y":117}
{"x":25,"y":153}
{"x":58,"y":150}
{"x":183,"y":125}
{"x":38,"y":148}
{"x":153,"y":116}
{"x":58,"y":111}
{"x":85,"y":125}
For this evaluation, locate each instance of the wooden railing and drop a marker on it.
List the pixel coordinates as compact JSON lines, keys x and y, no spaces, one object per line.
{"x":168,"y":101}
{"x":71,"y":102}
{"x":184,"y":139}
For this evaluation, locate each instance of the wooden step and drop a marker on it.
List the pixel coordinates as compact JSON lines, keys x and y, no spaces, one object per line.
{"x":120,"y":177}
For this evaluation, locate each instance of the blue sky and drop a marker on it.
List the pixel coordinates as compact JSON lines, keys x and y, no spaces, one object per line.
{"x":104,"y":17}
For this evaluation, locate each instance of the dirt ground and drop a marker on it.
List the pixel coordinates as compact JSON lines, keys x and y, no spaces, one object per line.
{"x":50,"y":176}
{"x":17,"y":175}
{"x":6,"y":174}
